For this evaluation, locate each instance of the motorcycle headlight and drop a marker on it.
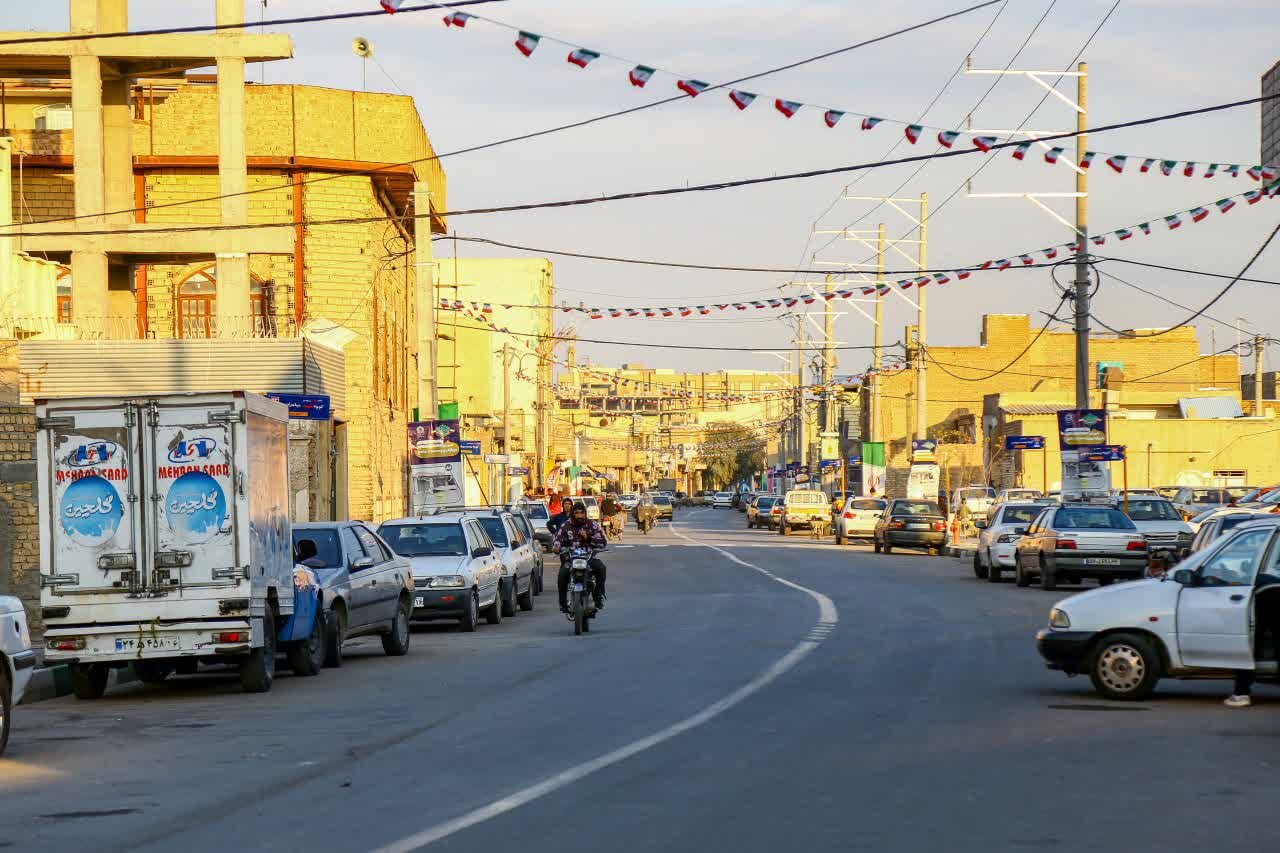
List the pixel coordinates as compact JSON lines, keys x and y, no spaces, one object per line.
{"x":1058,"y":619}
{"x":448,"y":582}
{"x":579,"y":564}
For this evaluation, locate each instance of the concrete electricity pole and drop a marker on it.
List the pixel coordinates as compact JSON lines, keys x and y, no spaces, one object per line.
{"x":1259,"y":354}
{"x":425,"y":297}
{"x":922,"y":297}
{"x":828,"y":361}
{"x":1082,"y":283}
{"x":877,"y":342}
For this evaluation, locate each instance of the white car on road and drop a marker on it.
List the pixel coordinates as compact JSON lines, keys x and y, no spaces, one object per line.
{"x":858,"y":519}
{"x":1197,"y":623}
{"x":456,"y":574}
{"x":17,"y":661}
{"x":998,"y":538}
{"x":723,"y":500}
{"x":1160,"y":522}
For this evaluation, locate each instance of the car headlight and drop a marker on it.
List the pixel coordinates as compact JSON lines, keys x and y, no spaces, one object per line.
{"x":448,"y":582}
{"x":1058,"y":619}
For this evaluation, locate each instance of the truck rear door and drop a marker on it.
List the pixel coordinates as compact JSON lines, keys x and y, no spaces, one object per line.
{"x":93,"y":526}
{"x":190,"y":454}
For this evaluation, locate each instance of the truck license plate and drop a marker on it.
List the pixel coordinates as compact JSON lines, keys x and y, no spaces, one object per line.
{"x":133,"y":644}
{"x":418,"y":601}
{"x":1102,"y":561}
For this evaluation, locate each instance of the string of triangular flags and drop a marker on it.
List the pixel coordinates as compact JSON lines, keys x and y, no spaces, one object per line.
{"x":640,"y":74}
{"x":1172,"y":222}
{"x":764,"y":396}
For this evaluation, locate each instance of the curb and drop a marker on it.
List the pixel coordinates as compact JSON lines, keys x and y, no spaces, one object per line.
{"x":52,"y":682}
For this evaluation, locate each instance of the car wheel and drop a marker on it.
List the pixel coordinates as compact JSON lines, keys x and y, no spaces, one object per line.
{"x":151,"y":671}
{"x":258,"y":669}
{"x":306,"y":657}
{"x":979,"y":570}
{"x":526,"y":599}
{"x":508,"y":600}
{"x":1047,"y":580}
{"x":396,"y":642}
{"x":471,"y":618}
{"x":1124,"y":667}
{"x":335,"y":633}
{"x":538,"y":588}
{"x":493,"y":613}
{"x":993,"y":570}
{"x":6,"y":707}
{"x":1019,"y":576}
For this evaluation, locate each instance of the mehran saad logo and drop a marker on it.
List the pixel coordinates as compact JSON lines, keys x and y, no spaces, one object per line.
{"x":191,"y":450}
{"x":91,"y":454}
{"x":91,"y":511}
{"x":195,"y":507}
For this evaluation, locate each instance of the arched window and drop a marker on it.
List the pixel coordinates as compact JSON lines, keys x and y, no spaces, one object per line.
{"x":197,"y":304}
{"x":64,"y":295}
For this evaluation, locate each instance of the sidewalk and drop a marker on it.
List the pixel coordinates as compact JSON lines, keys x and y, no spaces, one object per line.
{"x":51,"y":682}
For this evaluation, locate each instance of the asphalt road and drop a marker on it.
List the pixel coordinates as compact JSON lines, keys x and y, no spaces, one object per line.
{"x":759,"y":695}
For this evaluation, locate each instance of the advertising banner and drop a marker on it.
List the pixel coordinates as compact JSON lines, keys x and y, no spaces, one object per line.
{"x":1102,"y":453}
{"x":1082,"y":428}
{"x":923,"y":449}
{"x":470,"y":448}
{"x":830,"y":447}
{"x":435,"y":465}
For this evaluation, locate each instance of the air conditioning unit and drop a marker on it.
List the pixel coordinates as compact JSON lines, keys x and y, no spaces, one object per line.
{"x":53,"y":117}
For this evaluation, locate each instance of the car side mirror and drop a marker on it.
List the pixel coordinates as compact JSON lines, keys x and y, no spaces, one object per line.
{"x":1186,"y":577}
{"x":361,"y":563}
{"x":981,"y":524}
{"x":482,"y":551}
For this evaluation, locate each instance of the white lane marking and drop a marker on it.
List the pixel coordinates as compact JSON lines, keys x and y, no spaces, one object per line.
{"x":828,"y":616}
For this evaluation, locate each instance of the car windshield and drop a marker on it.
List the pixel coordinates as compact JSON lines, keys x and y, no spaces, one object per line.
{"x":320,"y":546}
{"x":1237,"y":493}
{"x":976,"y":493}
{"x":1021,"y":513}
{"x":765,"y":502}
{"x":1234,"y":521}
{"x":1092,"y":518}
{"x":1209,"y":496}
{"x":914,"y":508}
{"x":589,"y":501}
{"x":1271,"y":497}
{"x":867,"y":503}
{"x":440,"y":539}
{"x":662,"y":500}
{"x":1153,"y":510}
{"x":494,"y":527}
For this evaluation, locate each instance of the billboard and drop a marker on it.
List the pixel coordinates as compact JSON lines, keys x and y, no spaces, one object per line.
{"x":1081,"y":428}
{"x":435,"y":465}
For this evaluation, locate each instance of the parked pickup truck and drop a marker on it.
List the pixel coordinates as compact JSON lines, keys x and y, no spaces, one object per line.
{"x":804,"y":508}
{"x":165,"y":539}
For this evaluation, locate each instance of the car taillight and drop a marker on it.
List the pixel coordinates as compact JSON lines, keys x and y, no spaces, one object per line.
{"x":1066,"y":545}
{"x":777,"y":510}
{"x":850,"y":515}
{"x":70,"y":644}
{"x":896,"y":525}
{"x":231,"y":637}
{"x":1136,"y":546}
{"x":938,"y":525}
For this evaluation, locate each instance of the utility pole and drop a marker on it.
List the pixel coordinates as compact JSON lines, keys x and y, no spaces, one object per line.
{"x":425,"y":297}
{"x":802,"y":450}
{"x":1259,"y":354}
{"x":631,"y":445}
{"x":1082,"y":282}
{"x":506,"y":414}
{"x":828,"y":361}
{"x":922,"y":297}
{"x":878,"y":340}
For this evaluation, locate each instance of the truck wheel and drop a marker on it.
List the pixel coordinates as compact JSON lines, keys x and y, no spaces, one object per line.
{"x":396,"y":642}
{"x":334,"y":633}
{"x":471,"y":617}
{"x":89,"y":680}
{"x":306,"y":657}
{"x":258,"y":669}
{"x":526,"y":598}
{"x":6,"y":706}
{"x":1125,"y":667}
{"x":151,"y":671}
{"x":508,"y":600}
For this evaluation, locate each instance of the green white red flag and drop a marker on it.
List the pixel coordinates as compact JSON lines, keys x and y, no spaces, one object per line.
{"x":1198,"y":213}
{"x":457,"y":19}
{"x":985,"y":143}
{"x":787,"y":108}
{"x":692,"y":88}
{"x":1166,"y":167}
{"x":1225,"y":204}
{"x":1124,"y":233}
{"x":870,"y":122}
{"x":913,"y":132}
{"x":1052,"y":155}
{"x":582,"y":57}
{"x":391,"y":6}
{"x":1147,"y":164}
{"x":1117,"y":162}
{"x":1211,"y":170}
{"x":741,"y":99}
{"x":1087,"y":160}
{"x":1188,"y":169}
{"x":1173,"y":220}
{"x":947,"y":138}
{"x":527,"y":43}
{"x":1020,"y":150}
{"x":832,"y":117}
{"x":640,"y":75}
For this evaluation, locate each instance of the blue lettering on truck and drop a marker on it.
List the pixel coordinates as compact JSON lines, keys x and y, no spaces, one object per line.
{"x":195,"y":507}
{"x":91,"y":511}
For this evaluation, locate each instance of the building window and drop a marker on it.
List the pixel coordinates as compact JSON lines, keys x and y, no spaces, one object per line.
{"x":197,"y":305}
{"x":64,"y":295}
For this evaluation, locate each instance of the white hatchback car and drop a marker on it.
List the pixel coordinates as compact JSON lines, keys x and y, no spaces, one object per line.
{"x":722,"y":500}
{"x":456,"y":573}
{"x":998,"y":538}
{"x":17,"y":661}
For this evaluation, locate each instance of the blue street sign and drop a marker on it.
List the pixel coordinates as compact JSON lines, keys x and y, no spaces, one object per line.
{"x":517,"y":471}
{"x":1024,"y":442}
{"x":855,"y":460}
{"x":306,"y":407}
{"x":1102,"y":453}
{"x":828,"y":463}
{"x":470,"y":448}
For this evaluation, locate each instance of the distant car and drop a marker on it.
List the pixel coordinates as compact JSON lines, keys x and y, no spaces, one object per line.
{"x":998,"y":538}
{"x":1119,"y":494}
{"x":907,"y":523}
{"x":1191,"y":501}
{"x":804,"y":508}
{"x":858,"y":518}
{"x":1218,"y":523}
{"x":538,"y":515}
{"x":17,"y":661}
{"x":1072,"y":542}
{"x":515,"y":552}
{"x":629,"y":501}
{"x":1167,"y":492}
{"x":758,"y":511}
{"x":456,"y":574}
{"x":1160,"y":522}
{"x":525,"y":526}
{"x":723,"y":500}
{"x":592,"y":505}
{"x":366,"y":587}
{"x":665,"y":507}
{"x":977,"y":498}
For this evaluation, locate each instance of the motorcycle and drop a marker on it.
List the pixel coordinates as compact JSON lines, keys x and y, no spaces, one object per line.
{"x":613,"y":527}
{"x":582,"y":584}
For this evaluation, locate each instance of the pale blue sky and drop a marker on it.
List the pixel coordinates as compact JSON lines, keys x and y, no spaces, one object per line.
{"x":471,"y":86}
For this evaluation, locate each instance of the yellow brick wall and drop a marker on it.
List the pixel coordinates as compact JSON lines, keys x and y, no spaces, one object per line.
{"x":43,"y":194}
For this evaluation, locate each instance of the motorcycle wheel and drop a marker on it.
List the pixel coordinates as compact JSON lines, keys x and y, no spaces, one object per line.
{"x":579,"y":614}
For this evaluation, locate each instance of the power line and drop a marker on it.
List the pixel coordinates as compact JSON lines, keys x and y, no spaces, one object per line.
{"x":1186,"y":270}
{"x":1016,"y":358}
{"x":538,"y":133}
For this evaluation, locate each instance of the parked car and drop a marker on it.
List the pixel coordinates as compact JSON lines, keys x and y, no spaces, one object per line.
{"x":665,"y":507}
{"x":1118,"y":494}
{"x":758,"y":510}
{"x":803,"y":508}
{"x":456,"y":574}
{"x":538,"y":515}
{"x":858,"y":518}
{"x":723,"y":500}
{"x":910,"y":524}
{"x":539,"y":559}
{"x":1196,"y":622}
{"x":17,"y":661}
{"x":978,"y":498}
{"x":592,"y":503}
{"x":1167,"y":492}
{"x":629,"y":501}
{"x":1017,"y":496}
{"x":1072,"y":542}
{"x":515,"y":554}
{"x":1191,"y":501}
{"x":1218,"y":523}
{"x":1159,"y":521}
{"x":366,"y":587}
{"x":998,"y":538}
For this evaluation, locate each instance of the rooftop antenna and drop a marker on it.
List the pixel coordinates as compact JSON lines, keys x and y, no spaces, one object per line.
{"x":362,"y":48}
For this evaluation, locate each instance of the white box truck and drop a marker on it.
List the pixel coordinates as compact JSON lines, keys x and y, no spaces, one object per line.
{"x":165,"y":536}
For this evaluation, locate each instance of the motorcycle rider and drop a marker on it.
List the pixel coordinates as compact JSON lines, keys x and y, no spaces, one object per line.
{"x":609,"y":512}
{"x":583,"y":532}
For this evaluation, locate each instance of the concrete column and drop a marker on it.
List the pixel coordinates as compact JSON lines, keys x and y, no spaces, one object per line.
{"x":425,"y":298}
{"x":88,"y":268}
{"x":117,"y":145}
{"x":233,"y":179}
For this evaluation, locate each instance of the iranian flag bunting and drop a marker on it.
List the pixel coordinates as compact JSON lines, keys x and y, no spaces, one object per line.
{"x":633,"y":312}
{"x":790,"y":301}
{"x":775,"y":303}
{"x":1020,"y":150}
{"x":1087,"y":160}
{"x":1166,"y":167}
{"x":740,"y":306}
{"x":615,"y":313}
{"x":391,"y":6}
{"x":1027,"y":260}
{"x":582,"y":57}
{"x":1003,"y":264}
{"x":984,"y":143}
{"x":1052,"y":155}
{"x":1198,"y":213}
{"x":1124,"y":233}
{"x":692,"y":88}
{"x":787,"y":108}
{"x":963,"y":274}
{"x":1253,"y":196}
{"x":1147,"y":164}
{"x":596,"y":315}
{"x":1211,"y":171}
{"x":703,"y":310}
{"x":1051,"y":253}
{"x":649,"y":312}
{"x":867,"y":291}
{"x":941,"y":278}
{"x":913,"y":132}
{"x":1254,"y":172}
{"x":527,"y":43}
{"x":985,"y":265}
{"x":741,"y":99}
{"x":685,"y":312}
{"x":1233,"y":170}
{"x":1117,"y":162}
{"x":1099,"y":239}
{"x":832,"y":117}
{"x":947,"y":138}
{"x":456,"y":19}
{"x":808,"y":300}
{"x":1188,"y":169}
{"x":1145,"y":228}
{"x":1270,"y":173}
{"x":640,"y":75}
{"x":666,"y":312}
{"x":1225,"y":204}
{"x":1173,"y":220}
{"x":870,"y":122}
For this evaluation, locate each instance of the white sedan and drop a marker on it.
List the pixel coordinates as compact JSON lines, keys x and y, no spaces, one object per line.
{"x":456,"y":573}
{"x":17,"y":661}
{"x":858,"y":519}
{"x":998,"y":538}
{"x":723,"y":500}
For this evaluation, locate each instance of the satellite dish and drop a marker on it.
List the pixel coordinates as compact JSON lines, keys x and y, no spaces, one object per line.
{"x":361,"y":47}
